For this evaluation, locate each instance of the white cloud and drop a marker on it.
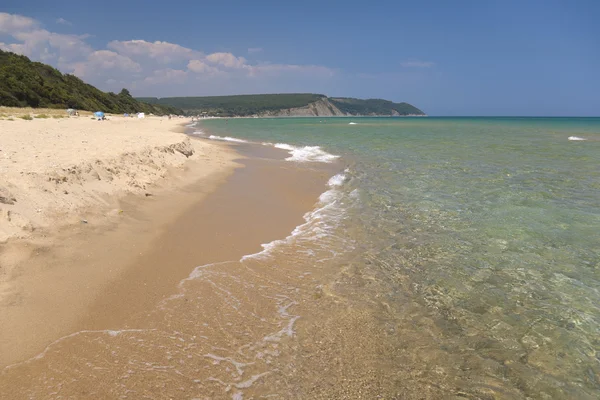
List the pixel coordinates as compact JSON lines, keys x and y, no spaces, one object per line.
{"x":253,"y":50}
{"x":63,"y":21}
{"x":10,"y":23}
{"x":40,"y":44}
{"x":154,"y":68}
{"x":167,"y":75}
{"x":226,"y":60}
{"x":417,"y":64}
{"x":105,"y":60}
{"x":14,"y":47}
{"x":162,"y":52}
{"x":200,"y":67}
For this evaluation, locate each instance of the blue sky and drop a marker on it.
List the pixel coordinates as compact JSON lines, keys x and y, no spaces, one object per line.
{"x":446,"y":57}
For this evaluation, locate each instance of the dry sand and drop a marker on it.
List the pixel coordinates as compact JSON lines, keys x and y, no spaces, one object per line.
{"x":79,"y":199}
{"x":52,"y":168}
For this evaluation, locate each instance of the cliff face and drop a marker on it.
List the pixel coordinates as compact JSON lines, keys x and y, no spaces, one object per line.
{"x":320,"y":108}
{"x":326,"y":107}
{"x":374,"y":107}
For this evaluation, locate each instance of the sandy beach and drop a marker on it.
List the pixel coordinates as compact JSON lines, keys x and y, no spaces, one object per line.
{"x":115,"y":257}
{"x":53,"y":168}
{"x":79,"y":198}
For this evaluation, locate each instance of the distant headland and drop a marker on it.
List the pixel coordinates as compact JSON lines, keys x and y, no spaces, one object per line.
{"x":284,"y":105}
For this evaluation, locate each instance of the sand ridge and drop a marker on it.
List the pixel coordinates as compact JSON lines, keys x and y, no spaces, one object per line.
{"x":50,"y":169}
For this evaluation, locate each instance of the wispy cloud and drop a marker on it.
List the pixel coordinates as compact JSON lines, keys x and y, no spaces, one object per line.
{"x":162,"y":52}
{"x":105,"y":60}
{"x":417,"y":64}
{"x":227,"y":60}
{"x":13,"y":23}
{"x":200,"y":67}
{"x":168,"y":76}
{"x":40,"y":44}
{"x":153,"y":67}
{"x":63,"y":21}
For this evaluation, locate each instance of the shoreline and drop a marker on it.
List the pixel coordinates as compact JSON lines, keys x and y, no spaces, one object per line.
{"x":148,"y":259}
{"x":312,"y":116}
{"x":219,"y":230}
{"x":51,"y":273}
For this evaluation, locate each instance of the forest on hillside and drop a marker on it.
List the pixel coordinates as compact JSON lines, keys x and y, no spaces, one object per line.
{"x":24,"y":83}
{"x":353,"y":106}
{"x":240,"y":105}
{"x":260,"y":104}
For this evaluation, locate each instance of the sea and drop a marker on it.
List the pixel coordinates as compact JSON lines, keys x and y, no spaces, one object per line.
{"x":462,"y":254}
{"x":446,"y":258}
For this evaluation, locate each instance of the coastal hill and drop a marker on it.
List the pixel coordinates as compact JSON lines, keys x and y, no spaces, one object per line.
{"x":291,"y":104}
{"x":24,"y":83}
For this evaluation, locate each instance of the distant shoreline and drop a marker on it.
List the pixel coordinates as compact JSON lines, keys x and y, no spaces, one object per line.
{"x":285,"y":105}
{"x":310,"y":116}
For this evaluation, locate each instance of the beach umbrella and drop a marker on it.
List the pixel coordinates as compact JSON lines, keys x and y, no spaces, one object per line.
{"x":99,"y":114}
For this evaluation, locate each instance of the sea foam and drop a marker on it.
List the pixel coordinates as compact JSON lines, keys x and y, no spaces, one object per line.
{"x":318,"y":222}
{"x":576,"y":138}
{"x":306,"y":153}
{"x":297,"y":153}
{"x":227,"y":139}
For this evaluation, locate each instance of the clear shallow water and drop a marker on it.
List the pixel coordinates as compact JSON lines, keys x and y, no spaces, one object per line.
{"x":471,"y":245}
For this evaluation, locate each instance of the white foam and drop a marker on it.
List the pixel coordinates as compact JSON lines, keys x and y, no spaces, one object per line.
{"x":297,"y":153}
{"x":246,"y":384}
{"x":576,"y":138}
{"x":227,"y":139}
{"x":199,"y":132}
{"x":242,"y":385}
{"x":239,"y":366}
{"x":306,"y":153}
{"x":317,"y":222}
{"x":352,"y":123}
{"x":336,"y":180}
{"x":109,"y":332}
{"x":287,"y":330}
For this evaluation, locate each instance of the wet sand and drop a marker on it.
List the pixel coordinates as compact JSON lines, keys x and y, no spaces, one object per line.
{"x":255,"y":205}
{"x":261,"y":202}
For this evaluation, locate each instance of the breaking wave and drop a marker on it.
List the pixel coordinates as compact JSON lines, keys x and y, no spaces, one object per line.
{"x":227,"y":139}
{"x":306,"y":153}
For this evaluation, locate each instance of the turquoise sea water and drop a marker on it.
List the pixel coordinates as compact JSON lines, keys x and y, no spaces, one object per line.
{"x":473,"y":244}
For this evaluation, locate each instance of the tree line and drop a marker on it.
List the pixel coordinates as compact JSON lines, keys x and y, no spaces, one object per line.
{"x":258,"y":104}
{"x":238,"y":105}
{"x":24,"y":83}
